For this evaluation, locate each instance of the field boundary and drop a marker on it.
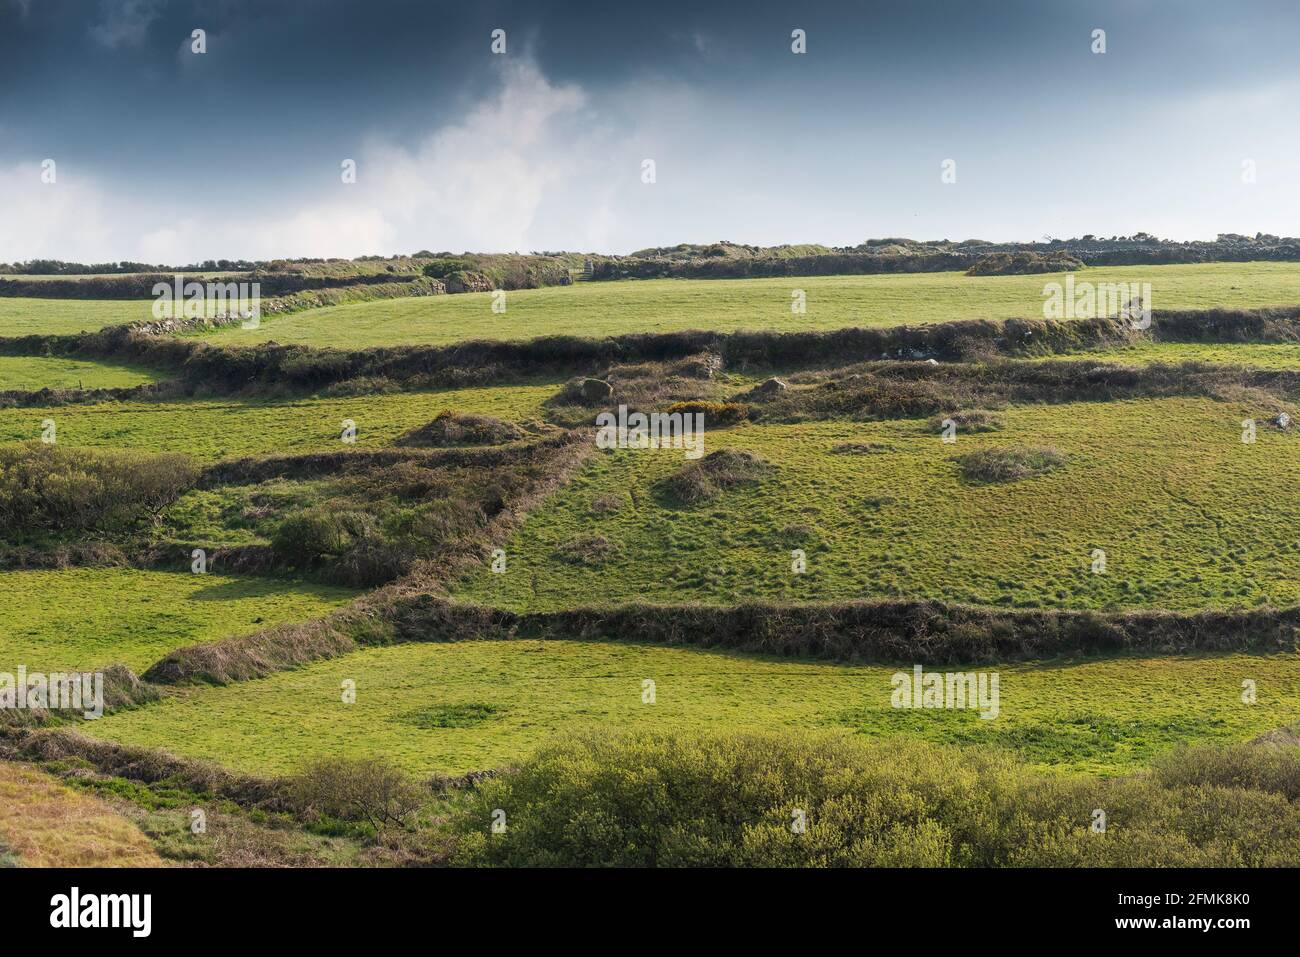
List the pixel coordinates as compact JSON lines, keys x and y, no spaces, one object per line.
{"x":269,"y":366}
{"x":924,"y":632}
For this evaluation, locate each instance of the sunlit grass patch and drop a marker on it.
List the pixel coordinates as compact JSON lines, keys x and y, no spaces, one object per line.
{"x":667,"y":305}
{"x":228,"y":427}
{"x":91,"y":617}
{"x":65,"y":317}
{"x":1259,"y":355}
{"x":30,"y":373}
{"x":474,"y":705}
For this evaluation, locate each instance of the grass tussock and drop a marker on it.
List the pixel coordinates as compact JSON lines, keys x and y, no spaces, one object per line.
{"x":860,"y":448}
{"x":969,"y":420}
{"x":593,"y":551}
{"x":451,"y":429}
{"x":666,"y":800}
{"x":708,"y":477}
{"x":1008,"y":465}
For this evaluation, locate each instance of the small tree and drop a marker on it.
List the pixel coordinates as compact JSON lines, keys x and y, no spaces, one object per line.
{"x":370,"y":789}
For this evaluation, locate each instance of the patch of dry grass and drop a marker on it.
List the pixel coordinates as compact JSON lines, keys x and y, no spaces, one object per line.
{"x":45,"y":824}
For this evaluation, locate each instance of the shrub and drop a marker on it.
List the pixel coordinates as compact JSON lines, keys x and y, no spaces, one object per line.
{"x":369,"y":789}
{"x":859,"y":448}
{"x":317,"y":533}
{"x":52,"y":487}
{"x":704,"y":479}
{"x":715,"y":413}
{"x":442,"y":268}
{"x":1008,"y":465}
{"x":659,"y":799}
{"x":1264,"y":768}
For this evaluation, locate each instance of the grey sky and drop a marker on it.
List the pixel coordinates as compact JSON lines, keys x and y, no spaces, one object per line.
{"x":167,"y":155}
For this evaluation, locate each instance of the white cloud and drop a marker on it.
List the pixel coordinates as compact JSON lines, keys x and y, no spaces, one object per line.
{"x":480,"y":182}
{"x":65,"y":219}
{"x":535,"y":165}
{"x":125,"y":22}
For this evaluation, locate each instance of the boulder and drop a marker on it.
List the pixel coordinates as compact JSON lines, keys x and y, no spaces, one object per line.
{"x":596,"y":390}
{"x":770,"y":387}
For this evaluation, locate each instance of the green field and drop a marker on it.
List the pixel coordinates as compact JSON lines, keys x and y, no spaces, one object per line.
{"x":665,"y":305}
{"x":31,"y":373}
{"x":66,"y":317}
{"x":1258,"y":355}
{"x":220,"y":428}
{"x":460,"y":707}
{"x":1188,"y":515}
{"x":91,"y":617}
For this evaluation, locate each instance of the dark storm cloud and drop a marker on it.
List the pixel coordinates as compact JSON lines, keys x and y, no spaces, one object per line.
{"x":885,"y":91}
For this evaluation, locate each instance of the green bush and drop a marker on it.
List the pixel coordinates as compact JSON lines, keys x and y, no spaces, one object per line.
{"x":441,"y":268}
{"x":317,"y":533}
{"x":52,"y":487}
{"x":658,"y":799}
{"x":372,"y":789}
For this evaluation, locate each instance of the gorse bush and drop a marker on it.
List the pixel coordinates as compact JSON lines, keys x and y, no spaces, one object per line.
{"x":715,"y":413}
{"x":738,"y":801}
{"x":55,"y":488}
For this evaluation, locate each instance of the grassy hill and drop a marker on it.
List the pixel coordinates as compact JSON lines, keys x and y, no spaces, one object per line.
{"x":843,"y":472}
